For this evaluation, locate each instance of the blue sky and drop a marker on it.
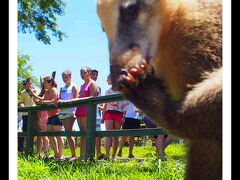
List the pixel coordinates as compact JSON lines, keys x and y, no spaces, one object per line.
{"x":86,"y":45}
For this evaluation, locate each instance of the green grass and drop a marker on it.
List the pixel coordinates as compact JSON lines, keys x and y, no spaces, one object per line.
{"x":148,"y":169}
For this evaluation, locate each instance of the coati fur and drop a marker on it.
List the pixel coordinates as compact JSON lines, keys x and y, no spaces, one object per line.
{"x":166,"y":57}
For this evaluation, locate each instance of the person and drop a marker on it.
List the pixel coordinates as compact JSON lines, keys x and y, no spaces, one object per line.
{"x":41,"y":124}
{"x":99,"y":154}
{"x":67,"y":115}
{"x":19,"y":128}
{"x":88,"y":89}
{"x":27,"y":100}
{"x":54,"y":124}
{"x":161,"y":141}
{"x":131,"y":122}
{"x":113,"y":118}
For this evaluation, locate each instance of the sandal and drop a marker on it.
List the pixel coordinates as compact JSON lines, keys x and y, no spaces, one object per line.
{"x":119,"y":154}
{"x":73,"y":158}
{"x":102,"y":156}
{"x":131,"y":156}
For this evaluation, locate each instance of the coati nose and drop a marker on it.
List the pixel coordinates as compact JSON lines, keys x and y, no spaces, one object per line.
{"x":133,"y":46}
{"x":129,"y":10}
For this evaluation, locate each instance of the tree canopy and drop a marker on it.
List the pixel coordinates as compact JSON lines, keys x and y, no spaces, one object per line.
{"x":39,"y":17}
{"x":24,"y":71}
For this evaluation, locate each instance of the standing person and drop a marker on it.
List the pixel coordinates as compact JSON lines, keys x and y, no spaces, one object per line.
{"x":28,"y":101}
{"x":99,"y":154}
{"x":67,"y":115}
{"x":132,"y":121}
{"x":19,"y":127}
{"x":113,"y":118}
{"x":54,"y":124}
{"x":88,"y":89}
{"x":41,"y":123}
{"x":161,"y":140}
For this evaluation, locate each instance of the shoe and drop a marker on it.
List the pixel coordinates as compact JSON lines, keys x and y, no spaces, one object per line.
{"x":61,"y":158}
{"x":162,"y":157}
{"x":102,"y":156}
{"x":106,"y":158}
{"x":81,"y":159}
{"x":131,"y":156}
{"x":73,"y":158}
{"x":119,"y":154}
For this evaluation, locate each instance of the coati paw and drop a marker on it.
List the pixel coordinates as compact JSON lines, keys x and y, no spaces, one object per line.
{"x":134,"y":76}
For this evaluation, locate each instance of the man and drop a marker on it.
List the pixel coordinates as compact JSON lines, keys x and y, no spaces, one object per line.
{"x":100,"y":155}
{"x":27,"y":100}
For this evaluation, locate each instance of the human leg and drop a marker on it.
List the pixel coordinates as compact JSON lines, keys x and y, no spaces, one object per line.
{"x":60,"y":142}
{"x":168,"y":140}
{"x":98,"y":147}
{"x":82,"y":123}
{"x":52,"y":141}
{"x":24,"y":128}
{"x":117,"y":125}
{"x":131,"y":145}
{"x":160,"y":146}
{"x":121,"y":144}
{"x":99,"y":153}
{"x":68,"y":125}
{"x":108,"y":142}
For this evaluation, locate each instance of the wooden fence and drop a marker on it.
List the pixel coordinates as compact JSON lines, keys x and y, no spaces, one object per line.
{"x":90,"y":133}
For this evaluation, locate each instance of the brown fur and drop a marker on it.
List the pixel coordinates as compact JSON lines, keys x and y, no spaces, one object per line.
{"x":182,"y":41}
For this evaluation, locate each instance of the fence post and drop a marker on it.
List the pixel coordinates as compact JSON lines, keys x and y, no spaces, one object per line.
{"x":30,"y":131}
{"x":91,"y":131}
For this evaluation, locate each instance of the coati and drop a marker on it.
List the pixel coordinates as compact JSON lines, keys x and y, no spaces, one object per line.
{"x":166,"y":57}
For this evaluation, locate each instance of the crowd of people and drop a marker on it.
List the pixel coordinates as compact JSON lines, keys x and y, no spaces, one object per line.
{"x":115,"y":115}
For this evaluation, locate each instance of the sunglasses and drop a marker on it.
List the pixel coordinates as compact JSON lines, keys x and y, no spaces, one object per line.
{"x":48,"y":81}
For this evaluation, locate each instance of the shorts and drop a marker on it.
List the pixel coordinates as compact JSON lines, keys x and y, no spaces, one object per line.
{"x":54,"y":120}
{"x":25,"y":123}
{"x":98,"y":125}
{"x":116,"y":116}
{"x":63,"y":116}
{"x":81,"y":111}
{"x":149,"y":123}
{"x":131,"y":123}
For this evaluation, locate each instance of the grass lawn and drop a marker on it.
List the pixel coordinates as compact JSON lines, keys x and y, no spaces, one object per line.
{"x":148,"y":169}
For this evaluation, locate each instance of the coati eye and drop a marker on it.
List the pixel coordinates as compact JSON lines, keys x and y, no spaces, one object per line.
{"x":129,"y":10}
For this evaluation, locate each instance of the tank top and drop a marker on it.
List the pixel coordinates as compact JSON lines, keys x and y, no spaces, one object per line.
{"x":85,"y":92}
{"x":66,"y":93}
{"x":51,"y":112}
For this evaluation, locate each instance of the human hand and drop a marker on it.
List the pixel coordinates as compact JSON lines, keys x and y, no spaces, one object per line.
{"x":58,"y":102}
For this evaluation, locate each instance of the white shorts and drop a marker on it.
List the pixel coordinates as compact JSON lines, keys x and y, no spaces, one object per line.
{"x":98,"y":125}
{"x":63,"y":116}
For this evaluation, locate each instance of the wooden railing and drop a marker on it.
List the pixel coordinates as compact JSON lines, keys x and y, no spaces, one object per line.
{"x":90,"y":133}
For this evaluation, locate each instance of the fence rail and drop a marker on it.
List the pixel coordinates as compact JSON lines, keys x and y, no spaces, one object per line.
{"x":90,"y":133}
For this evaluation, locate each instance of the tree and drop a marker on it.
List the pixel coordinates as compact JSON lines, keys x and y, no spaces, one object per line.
{"x":38,"y":16}
{"x":24,"y":71}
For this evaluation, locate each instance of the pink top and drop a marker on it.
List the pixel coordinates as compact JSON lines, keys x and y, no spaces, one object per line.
{"x":81,"y":111}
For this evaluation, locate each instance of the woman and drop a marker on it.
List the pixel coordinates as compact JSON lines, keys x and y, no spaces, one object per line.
{"x":41,"y":124}
{"x":54,"y":124}
{"x":131,"y":122}
{"x":88,"y":89}
{"x":114,"y":118}
{"x":67,"y":115}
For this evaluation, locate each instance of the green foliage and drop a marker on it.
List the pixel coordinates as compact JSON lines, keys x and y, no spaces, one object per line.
{"x":38,"y":16}
{"x":24,"y":71}
{"x":148,"y":169}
